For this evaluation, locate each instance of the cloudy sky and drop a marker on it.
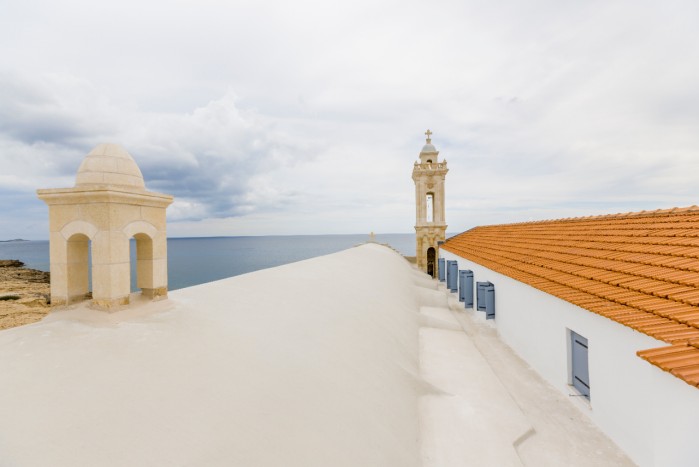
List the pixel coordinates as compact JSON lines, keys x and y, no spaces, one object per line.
{"x":304,"y":117}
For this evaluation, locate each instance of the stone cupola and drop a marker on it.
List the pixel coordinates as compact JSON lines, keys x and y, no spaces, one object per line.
{"x":108,"y":206}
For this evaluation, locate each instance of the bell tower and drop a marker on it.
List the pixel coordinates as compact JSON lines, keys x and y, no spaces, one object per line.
{"x":430,"y":225}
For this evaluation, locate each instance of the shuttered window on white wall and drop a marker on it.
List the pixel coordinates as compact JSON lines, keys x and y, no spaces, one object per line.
{"x":579,"y":362}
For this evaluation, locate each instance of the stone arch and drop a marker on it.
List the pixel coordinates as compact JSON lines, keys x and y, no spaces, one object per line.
{"x":79,"y":227}
{"x":140,"y":227}
{"x":70,"y":265}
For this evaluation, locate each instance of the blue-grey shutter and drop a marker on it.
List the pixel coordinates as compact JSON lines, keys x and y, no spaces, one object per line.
{"x":480,"y":295}
{"x":490,"y":302}
{"x":581,"y":372}
{"x":462,"y":284}
{"x":468,"y":289}
{"x":440,"y":265}
{"x":452,"y":275}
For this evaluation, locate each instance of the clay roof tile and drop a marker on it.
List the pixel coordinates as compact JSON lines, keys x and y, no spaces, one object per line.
{"x":640,"y":269}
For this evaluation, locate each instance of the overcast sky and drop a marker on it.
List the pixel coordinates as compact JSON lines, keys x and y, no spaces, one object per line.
{"x":303,"y":117}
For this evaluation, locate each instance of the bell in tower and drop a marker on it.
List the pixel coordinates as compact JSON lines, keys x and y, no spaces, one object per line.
{"x":430,"y":225}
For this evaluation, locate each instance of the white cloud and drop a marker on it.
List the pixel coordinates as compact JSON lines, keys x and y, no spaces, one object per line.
{"x":305,"y":117}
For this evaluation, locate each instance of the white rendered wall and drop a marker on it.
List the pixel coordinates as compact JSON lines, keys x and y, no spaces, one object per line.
{"x":650,"y":414}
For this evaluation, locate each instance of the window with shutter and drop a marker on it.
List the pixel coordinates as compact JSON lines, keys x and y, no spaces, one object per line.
{"x":452,"y":275}
{"x":490,"y":301}
{"x":480,"y":295}
{"x":466,"y":288}
{"x":579,"y":362}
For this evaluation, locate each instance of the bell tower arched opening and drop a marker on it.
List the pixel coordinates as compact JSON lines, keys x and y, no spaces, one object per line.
{"x":431,"y":260}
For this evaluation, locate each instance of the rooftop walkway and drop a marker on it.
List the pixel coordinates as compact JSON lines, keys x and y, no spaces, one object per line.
{"x":494,"y":409}
{"x":350,"y":359}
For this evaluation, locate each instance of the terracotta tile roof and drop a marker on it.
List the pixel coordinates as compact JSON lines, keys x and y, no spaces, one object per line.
{"x":639,"y":269}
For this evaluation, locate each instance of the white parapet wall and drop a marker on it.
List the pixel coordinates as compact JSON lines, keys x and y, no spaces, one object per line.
{"x":650,"y":414}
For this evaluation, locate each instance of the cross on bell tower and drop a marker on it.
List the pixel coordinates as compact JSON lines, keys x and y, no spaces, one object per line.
{"x":430,"y":225}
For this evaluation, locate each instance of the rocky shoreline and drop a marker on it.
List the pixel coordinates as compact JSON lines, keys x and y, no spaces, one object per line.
{"x":24,"y":294}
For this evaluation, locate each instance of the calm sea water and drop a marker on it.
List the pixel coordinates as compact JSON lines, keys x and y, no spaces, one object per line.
{"x":193,"y":261}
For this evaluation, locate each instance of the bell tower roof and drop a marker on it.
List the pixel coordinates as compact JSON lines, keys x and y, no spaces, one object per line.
{"x":429,"y":153}
{"x":428,"y":147}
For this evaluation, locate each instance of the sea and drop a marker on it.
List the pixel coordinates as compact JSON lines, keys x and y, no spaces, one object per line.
{"x":193,"y":261}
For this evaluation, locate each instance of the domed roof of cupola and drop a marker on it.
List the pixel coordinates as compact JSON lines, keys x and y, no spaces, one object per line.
{"x":429,"y":147}
{"x":429,"y":153}
{"x":109,"y":164}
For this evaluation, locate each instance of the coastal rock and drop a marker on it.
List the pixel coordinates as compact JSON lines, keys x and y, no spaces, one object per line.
{"x":24,"y":294}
